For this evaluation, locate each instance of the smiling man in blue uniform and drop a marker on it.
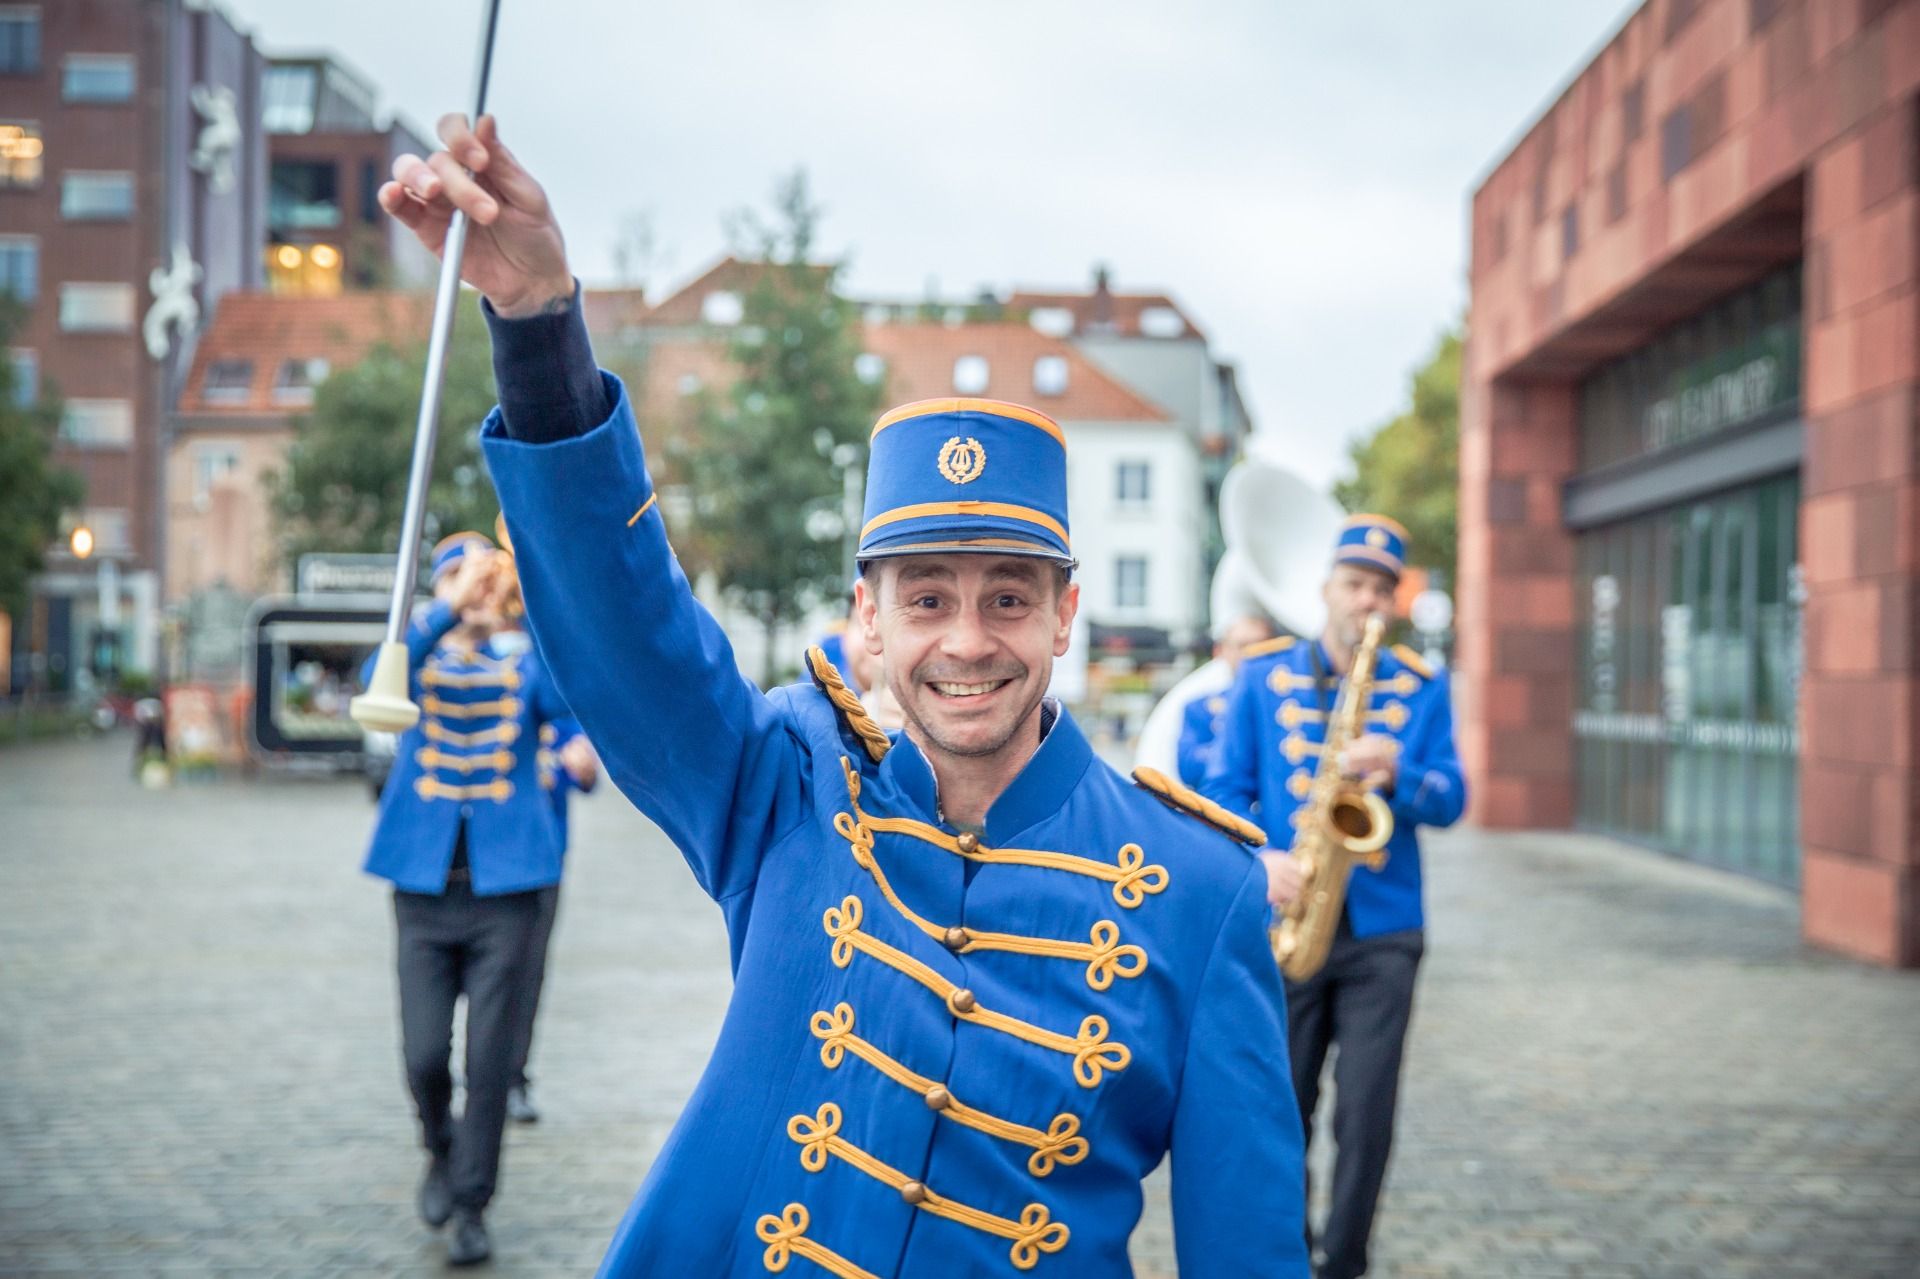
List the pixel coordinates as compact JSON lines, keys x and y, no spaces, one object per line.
{"x":1270,"y":735}
{"x":983,"y":983}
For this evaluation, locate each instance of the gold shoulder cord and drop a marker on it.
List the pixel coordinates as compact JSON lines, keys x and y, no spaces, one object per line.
{"x":1174,"y":795}
{"x":828,"y":679}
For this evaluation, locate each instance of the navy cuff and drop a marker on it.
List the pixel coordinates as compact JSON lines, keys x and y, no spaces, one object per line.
{"x":549,"y":387}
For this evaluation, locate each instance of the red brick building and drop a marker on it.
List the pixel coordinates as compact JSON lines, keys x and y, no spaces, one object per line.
{"x":1690,"y":456}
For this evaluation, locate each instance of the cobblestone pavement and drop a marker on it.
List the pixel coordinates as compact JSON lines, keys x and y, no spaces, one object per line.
{"x":1621,"y":1065}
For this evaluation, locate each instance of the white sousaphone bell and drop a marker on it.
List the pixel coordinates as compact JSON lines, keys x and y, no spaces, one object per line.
{"x":1279,"y":532}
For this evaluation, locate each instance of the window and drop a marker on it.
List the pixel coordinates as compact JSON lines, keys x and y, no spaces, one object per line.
{"x":228,"y":382}
{"x":96,"y":197}
{"x":22,"y":153}
{"x":96,"y":308}
{"x":97,"y":424}
{"x":20,"y":267}
{"x":25,"y":362}
{"x":1054,"y":321}
{"x":286,"y":97}
{"x":303,"y":195}
{"x":970,"y":374}
{"x":1162,"y":322}
{"x":721,"y":308}
{"x":211,"y":464}
{"x":97,"y":77}
{"x":870,"y":368}
{"x":1050,"y":375}
{"x":1133,"y":483}
{"x":296,"y":380}
{"x":1130,"y":581}
{"x":19,"y":39}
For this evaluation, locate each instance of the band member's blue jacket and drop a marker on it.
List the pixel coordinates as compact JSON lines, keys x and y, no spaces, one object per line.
{"x":947,"y":1054}
{"x":554,"y":777}
{"x":1199,"y":736}
{"x":1270,"y":735}
{"x":471,"y":759}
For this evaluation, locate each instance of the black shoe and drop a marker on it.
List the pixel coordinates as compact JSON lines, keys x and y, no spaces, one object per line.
{"x":520,"y":1107}
{"x":468,"y":1245}
{"x":436,"y":1194}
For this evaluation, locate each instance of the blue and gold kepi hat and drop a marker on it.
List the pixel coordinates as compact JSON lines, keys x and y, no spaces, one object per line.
{"x":966,"y":475}
{"x":451,"y":549}
{"x":1373,"y":541}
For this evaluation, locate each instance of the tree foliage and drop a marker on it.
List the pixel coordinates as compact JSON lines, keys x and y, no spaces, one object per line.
{"x":759,"y":461}
{"x":1409,"y":468}
{"x":343,"y":486}
{"x":34,"y":494}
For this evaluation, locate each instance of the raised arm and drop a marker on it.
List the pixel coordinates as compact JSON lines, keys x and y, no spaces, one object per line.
{"x":1239,"y":1173}
{"x":646,"y":670}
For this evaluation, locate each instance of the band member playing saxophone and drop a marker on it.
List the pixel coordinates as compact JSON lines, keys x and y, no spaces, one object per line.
{"x":1276,"y":718}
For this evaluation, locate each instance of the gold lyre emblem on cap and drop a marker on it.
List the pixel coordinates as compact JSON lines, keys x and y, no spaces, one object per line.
{"x":1377,"y":538}
{"x":962,"y":460}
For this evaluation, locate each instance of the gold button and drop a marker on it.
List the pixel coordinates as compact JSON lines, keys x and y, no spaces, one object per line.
{"x":968,"y":841}
{"x":913,"y":1192}
{"x":938,"y":1098}
{"x":956,"y":938}
{"x":961,"y":1001}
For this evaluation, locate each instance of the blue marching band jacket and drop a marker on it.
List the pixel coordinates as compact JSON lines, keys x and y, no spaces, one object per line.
{"x":1199,"y":737}
{"x":947,"y":1053}
{"x":1269,"y":748}
{"x":555,"y":780}
{"x":472,"y":759}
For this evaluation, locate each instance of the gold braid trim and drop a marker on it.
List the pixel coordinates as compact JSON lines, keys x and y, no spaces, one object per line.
{"x":434,"y":677}
{"x":1061,"y":1143}
{"x":1092,"y":1052}
{"x":870,"y":734}
{"x":506,"y":706}
{"x":432,"y":757}
{"x":786,"y":1237}
{"x":499,"y":790}
{"x":1174,"y":795}
{"x":818,"y":1136}
{"x":1102,"y":953}
{"x":1133,"y":879}
{"x":435,"y":731}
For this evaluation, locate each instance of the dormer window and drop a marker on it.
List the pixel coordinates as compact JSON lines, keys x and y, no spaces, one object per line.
{"x":1054,"y":321}
{"x":296,"y":379}
{"x":722,"y":309}
{"x":228,"y":382}
{"x":1050,"y":375}
{"x":1162,"y":322}
{"x":970,"y":375}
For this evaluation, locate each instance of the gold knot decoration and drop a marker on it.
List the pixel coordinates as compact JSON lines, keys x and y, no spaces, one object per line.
{"x":1137,"y":878}
{"x":841,"y":923}
{"x":1094,"y":1056}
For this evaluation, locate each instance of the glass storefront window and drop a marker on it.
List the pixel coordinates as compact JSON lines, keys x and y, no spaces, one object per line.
{"x":1685,"y":733}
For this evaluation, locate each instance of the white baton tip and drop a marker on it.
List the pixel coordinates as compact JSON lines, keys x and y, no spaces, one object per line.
{"x":385,"y":707}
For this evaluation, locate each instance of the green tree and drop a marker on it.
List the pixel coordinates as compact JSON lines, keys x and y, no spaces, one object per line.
{"x":343,"y":486}
{"x":759,"y":459}
{"x":34,"y":494}
{"x":1409,"y":468}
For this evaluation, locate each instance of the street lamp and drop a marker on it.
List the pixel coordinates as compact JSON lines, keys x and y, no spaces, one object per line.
{"x":80,"y":541}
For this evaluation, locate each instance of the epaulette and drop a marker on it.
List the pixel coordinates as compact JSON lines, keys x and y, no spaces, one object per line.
{"x":852,"y":713}
{"x":1174,"y":795}
{"x":1413,"y":661}
{"x":1278,"y":644}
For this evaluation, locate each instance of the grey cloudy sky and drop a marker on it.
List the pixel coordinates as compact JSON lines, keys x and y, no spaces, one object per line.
{"x":1295,"y":173}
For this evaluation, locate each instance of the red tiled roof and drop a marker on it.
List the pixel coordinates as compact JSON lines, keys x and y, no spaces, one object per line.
{"x":920,"y":360}
{"x":1090,"y":310}
{"x":267,"y":330}
{"x":728,"y":275}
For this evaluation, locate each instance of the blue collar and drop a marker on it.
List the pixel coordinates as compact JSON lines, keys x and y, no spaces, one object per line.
{"x":1038,"y":792}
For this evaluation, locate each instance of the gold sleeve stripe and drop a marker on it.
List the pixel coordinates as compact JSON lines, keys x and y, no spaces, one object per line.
{"x":1092,"y":1052}
{"x":499,"y":790}
{"x":1061,"y":1143}
{"x":871,"y":735}
{"x":644,"y":508}
{"x":1278,"y":644}
{"x":786,"y":1237}
{"x":818,"y":1136}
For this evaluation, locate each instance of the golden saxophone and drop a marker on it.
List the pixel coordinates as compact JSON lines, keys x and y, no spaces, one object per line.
{"x":1339,"y":825}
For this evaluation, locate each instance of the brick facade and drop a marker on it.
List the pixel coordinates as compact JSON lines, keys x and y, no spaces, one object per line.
{"x":1706,"y":144}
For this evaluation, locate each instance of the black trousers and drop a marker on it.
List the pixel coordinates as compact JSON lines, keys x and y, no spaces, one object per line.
{"x":536,"y":977}
{"x":1360,"y":1004}
{"x":451,"y":945}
